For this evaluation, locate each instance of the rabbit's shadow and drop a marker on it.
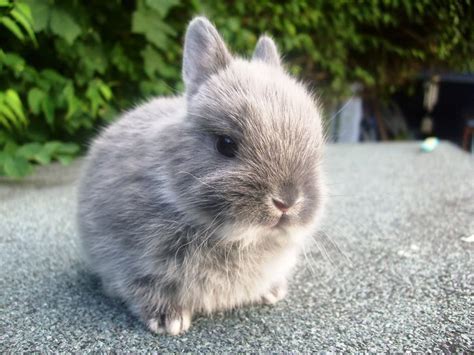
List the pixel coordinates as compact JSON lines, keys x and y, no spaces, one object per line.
{"x":75,"y":299}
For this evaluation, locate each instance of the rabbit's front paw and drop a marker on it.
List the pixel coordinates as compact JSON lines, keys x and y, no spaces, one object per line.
{"x":172,"y":322}
{"x":275,"y":294}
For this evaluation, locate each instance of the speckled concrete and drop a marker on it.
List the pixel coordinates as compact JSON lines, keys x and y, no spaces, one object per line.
{"x":391,"y":270}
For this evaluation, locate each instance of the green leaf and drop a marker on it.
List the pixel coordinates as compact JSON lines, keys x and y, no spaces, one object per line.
{"x":10,"y":148}
{"x":3,"y":157}
{"x":93,"y":58}
{"x":25,"y":10}
{"x":52,"y":147}
{"x":105,"y":91}
{"x":8,"y":113}
{"x":67,"y":148}
{"x":65,"y":159}
{"x":4,"y":122}
{"x":94,"y":95}
{"x":152,"y":61}
{"x":43,"y":157}
{"x":53,"y":76}
{"x":8,"y":117}
{"x":35,"y":99}
{"x":149,"y":23}
{"x":162,"y":6}
{"x":13,"y":61}
{"x":37,"y":135}
{"x":5,"y":3}
{"x":13,"y":101}
{"x":72,"y":102}
{"x":24,"y":21}
{"x":121,"y":61}
{"x":64,"y":25}
{"x":42,"y":12}
{"x":28,"y":151}
{"x":16,"y":167}
{"x":47,"y":106}
{"x":13,"y":27}
{"x":74,"y":105}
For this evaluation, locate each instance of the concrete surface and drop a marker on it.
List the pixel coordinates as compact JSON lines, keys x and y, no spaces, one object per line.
{"x":391,"y":271}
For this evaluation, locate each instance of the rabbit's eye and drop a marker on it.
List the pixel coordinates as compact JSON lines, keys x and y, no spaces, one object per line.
{"x":226,"y":146}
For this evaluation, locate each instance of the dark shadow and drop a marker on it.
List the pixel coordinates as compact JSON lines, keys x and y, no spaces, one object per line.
{"x":74,"y":299}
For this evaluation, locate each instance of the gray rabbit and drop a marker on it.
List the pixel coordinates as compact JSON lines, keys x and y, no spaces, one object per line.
{"x":203,"y":202}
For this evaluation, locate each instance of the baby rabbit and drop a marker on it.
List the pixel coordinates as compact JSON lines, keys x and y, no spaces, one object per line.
{"x":203,"y":202}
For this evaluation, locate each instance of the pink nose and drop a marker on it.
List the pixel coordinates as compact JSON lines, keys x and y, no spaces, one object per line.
{"x":282,"y":206}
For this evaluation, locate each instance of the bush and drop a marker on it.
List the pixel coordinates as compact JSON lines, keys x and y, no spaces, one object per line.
{"x":67,"y":67}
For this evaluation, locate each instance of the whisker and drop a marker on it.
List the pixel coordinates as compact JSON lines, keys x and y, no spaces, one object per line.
{"x":195,"y":177}
{"x":341,"y":109}
{"x":326,"y":244}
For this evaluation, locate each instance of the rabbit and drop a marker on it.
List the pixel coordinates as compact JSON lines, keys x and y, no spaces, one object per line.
{"x":203,"y":202}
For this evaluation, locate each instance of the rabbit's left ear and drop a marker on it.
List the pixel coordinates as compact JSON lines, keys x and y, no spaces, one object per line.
{"x":266,"y":51}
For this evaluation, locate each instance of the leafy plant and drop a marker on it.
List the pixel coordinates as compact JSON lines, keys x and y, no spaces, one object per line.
{"x":68,"y":67}
{"x":16,"y":17}
{"x":17,"y":161}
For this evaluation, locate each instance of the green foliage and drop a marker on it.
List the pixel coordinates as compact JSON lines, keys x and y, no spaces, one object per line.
{"x":17,"y":161}
{"x":16,"y":17}
{"x":68,"y":67}
{"x":380,"y":43}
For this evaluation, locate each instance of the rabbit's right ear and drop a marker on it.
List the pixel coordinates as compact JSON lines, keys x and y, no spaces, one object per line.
{"x":266,"y":51}
{"x":204,"y":53}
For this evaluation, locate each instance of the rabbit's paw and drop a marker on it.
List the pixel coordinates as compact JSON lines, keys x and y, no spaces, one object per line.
{"x":275,"y":294}
{"x":172,"y":322}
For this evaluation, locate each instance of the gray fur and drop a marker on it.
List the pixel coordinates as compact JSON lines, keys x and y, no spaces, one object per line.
{"x":174,"y":228}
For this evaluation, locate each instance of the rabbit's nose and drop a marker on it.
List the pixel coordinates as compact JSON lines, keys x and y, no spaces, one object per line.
{"x":286,"y":197}
{"x":282,"y":205}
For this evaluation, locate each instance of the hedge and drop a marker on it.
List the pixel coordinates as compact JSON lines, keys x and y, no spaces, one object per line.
{"x":68,"y":67}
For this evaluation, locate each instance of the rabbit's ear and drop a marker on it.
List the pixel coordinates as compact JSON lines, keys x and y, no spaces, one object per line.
{"x":204,"y":53}
{"x":266,"y":51}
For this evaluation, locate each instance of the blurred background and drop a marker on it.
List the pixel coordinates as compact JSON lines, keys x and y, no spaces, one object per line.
{"x":384,"y":69}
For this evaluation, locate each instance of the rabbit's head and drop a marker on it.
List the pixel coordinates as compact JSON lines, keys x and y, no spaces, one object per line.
{"x":249,"y":152}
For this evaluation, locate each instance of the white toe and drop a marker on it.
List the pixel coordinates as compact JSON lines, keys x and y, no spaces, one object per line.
{"x":154,"y":326}
{"x":269,"y":298}
{"x":173,"y":326}
{"x":186,"y":321}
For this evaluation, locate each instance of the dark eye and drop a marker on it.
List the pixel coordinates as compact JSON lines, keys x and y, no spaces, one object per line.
{"x":226,"y":146}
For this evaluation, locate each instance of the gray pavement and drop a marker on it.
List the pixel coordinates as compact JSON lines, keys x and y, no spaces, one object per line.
{"x":390,"y":271}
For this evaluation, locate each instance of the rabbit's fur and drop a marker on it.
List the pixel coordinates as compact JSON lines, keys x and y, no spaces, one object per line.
{"x":173,"y":227}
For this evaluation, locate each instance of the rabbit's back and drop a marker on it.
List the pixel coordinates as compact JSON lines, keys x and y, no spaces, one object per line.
{"x":120,"y":190}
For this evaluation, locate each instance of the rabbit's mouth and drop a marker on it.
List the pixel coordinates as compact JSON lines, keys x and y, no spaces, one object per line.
{"x":282,"y":222}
